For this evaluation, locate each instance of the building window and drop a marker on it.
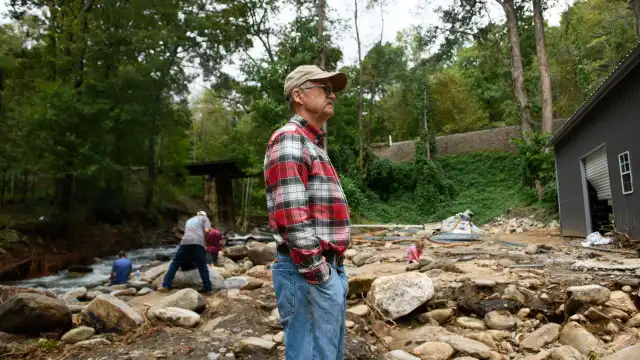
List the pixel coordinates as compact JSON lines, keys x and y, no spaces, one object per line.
{"x":624,"y":161}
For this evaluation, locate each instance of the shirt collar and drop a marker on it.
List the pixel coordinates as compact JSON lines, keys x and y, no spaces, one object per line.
{"x":310,"y":131}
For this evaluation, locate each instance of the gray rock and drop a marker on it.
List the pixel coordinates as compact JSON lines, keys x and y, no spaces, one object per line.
{"x":360,"y":310}
{"x":253,"y":346}
{"x":595,"y":314}
{"x":144,"y":291}
{"x":78,"y":334}
{"x":470,"y":323}
{"x":125,"y":292}
{"x":138,"y":284}
{"x":500,"y":320}
{"x":188,"y":299}
{"x":92,"y":343}
{"x":566,"y":353}
{"x":237,"y":252}
{"x":260,"y":253}
{"x":544,"y":335}
{"x":398,"y":295}
{"x":92,"y":295}
{"x":7,"y":292}
{"x":467,"y":346}
{"x":177,"y":316}
{"x":484,"y":283}
{"x":398,"y":355}
{"x":109,"y":314}
{"x":434,"y":350}
{"x":155,"y":272}
{"x":191,"y":279}
{"x":32,"y":314}
{"x":621,"y":301}
{"x":574,"y":335}
{"x":362,"y":257}
{"x":634,"y":321}
{"x":441,"y":316}
{"x":589,"y":294}
{"x":75,"y":294}
{"x":243,"y":283}
{"x":279,"y":337}
{"x":628,"y":353}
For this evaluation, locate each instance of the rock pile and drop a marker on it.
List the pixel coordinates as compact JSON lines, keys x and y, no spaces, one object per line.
{"x":517,"y":225}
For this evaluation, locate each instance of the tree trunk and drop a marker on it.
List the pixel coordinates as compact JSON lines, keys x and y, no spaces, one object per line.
{"x":360,"y":119}
{"x":543,"y":64}
{"x":153,"y":173}
{"x":517,"y":71}
{"x":635,"y":6}
{"x":3,"y":187}
{"x":322,"y":60}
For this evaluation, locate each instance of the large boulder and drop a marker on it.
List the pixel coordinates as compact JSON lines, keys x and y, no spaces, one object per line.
{"x":260,"y":253}
{"x":398,"y":295}
{"x":32,"y":314}
{"x":188,"y":299}
{"x":362,"y":257}
{"x":237,"y":252}
{"x":191,"y":279}
{"x":7,"y":292}
{"x":108,"y":314}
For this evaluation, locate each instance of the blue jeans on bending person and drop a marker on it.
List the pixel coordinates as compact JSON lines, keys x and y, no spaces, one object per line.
{"x":186,"y":255}
{"x":313,"y":316}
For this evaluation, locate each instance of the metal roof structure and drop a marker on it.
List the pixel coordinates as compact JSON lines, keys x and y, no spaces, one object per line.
{"x":624,"y":67}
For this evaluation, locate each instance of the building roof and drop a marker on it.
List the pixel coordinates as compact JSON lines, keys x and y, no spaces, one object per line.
{"x":624,"y":67}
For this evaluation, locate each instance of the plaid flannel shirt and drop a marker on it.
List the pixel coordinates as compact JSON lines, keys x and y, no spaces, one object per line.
{"x":306,"y":203}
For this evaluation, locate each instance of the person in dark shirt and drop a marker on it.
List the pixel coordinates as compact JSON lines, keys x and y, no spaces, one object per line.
{"x":121,"y":269}
{"x":215,"y":244}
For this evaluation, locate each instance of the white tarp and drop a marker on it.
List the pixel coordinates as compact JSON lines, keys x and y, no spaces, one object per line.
{"x":596,"y":239}
{"x":460,"y":223}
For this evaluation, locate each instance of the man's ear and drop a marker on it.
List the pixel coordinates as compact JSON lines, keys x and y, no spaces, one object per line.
{"x":296,"y":96}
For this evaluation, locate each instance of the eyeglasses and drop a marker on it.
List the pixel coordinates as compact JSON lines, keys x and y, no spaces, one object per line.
{"x":326,"y":88}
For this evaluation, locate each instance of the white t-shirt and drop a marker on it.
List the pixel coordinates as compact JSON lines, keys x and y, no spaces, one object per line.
{"x":194,"y":230}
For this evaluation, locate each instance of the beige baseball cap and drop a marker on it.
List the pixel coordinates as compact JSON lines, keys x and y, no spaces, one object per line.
{"x":305,"y":73}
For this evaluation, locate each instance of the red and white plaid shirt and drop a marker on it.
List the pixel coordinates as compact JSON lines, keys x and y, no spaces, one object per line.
{"x":306,"y":203}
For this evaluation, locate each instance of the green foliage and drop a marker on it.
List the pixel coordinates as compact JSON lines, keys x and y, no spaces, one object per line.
{"x":485,"y":182}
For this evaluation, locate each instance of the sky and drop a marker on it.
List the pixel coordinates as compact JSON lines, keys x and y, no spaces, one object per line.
{"x":397,"y":14}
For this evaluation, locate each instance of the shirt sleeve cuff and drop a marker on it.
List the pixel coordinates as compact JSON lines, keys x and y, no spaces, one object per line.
{"x":319,"y":275}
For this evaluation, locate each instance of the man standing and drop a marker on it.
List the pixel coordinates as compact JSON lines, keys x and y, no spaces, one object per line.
{"x":215,"y":244}
{"x":309,"y":211}
{"x":192,"y":250}
{"x":121,"y":269}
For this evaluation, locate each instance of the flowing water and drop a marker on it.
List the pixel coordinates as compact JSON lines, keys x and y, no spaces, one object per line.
{"x":63,"y":281}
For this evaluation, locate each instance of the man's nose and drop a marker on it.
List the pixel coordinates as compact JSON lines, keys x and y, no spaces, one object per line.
{"x":332,"y":95}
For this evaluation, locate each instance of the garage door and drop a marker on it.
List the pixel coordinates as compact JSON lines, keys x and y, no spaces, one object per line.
{"x":597,"y":171}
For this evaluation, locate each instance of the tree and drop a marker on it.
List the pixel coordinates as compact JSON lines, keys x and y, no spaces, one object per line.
{"x":543,"y":64}
{"x":462,"y":18}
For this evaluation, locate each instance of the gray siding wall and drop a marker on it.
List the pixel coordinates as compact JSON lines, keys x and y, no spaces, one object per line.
{"x":615,"y":122}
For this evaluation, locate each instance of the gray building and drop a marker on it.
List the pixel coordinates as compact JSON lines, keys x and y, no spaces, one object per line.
{"x":597,"y":152}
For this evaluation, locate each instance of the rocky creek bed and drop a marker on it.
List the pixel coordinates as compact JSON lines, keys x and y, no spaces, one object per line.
{"x":482,"y":301}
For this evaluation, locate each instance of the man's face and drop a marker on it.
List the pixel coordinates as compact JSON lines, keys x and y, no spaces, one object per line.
{"x":317,"y":98}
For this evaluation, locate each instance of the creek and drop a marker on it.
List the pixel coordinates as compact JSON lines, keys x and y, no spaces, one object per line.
{"x":64,"y":281}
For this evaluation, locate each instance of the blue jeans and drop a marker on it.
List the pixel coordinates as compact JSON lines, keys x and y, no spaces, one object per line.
{"x":313,"y":316}
{"x":188,"y":254}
